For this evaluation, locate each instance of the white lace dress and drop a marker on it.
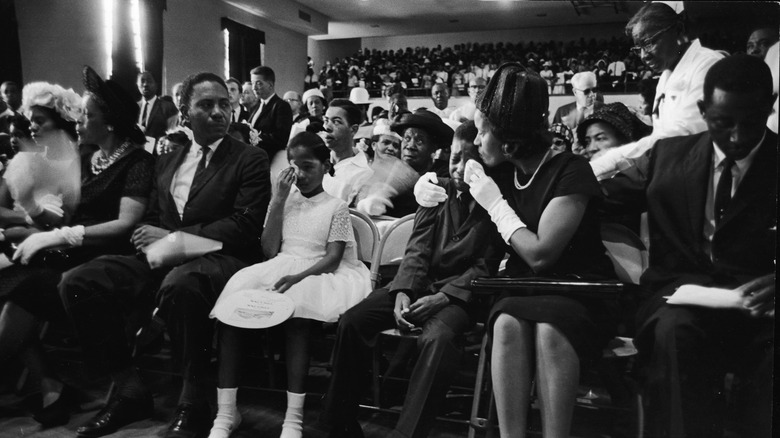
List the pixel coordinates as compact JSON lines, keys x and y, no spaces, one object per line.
{"x":309,"y":224}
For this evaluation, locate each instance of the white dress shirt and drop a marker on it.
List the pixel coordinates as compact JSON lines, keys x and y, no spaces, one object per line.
{"x":350,"y":174}
{"x":738,"y":171}
{"x":182,"y":179}
{"x":675,"y":111}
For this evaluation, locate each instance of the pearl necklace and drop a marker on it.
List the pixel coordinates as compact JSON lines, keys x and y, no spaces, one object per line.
{"x":519,"y":186}
{"x":101,"y":163}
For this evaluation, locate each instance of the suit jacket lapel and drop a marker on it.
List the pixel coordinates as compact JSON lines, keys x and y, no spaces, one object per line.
{"x":753,"y":182}
{"x":697,"y":173}
{"x":216,"y":162}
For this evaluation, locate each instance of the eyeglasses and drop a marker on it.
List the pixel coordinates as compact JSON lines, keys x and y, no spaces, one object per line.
{"x":478,"y":87}
{"x":587,"y":91}
{"x":291,"y":100}
{"x":649,"y":44}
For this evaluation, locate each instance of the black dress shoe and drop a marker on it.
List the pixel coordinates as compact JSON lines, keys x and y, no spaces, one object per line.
{"x":190,"y":421}
{"x":57,"y":413}
{"x":119,"y":412}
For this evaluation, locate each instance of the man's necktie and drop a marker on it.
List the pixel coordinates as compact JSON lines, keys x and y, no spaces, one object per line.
{"x":723,"y":191}
{"x":463,"y":207}
{"x":196,"y":180}
{"x":143,"y":114}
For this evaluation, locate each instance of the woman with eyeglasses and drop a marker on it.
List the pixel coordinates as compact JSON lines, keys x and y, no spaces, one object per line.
{"x":661,"y":42}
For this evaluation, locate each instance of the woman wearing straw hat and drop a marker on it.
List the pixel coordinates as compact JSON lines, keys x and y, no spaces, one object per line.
{"x":116,"y":179}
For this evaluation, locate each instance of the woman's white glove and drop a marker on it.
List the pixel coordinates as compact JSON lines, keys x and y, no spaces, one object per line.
{"x":70,"y":236}
{"x":487,"y":194}
{"x":427,"y":193}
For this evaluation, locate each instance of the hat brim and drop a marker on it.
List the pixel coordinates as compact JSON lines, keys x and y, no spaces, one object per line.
{"x":438,"y":129}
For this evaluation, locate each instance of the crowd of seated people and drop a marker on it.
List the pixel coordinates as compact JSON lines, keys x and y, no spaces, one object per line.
{"x":418,"y":68}
{"x":92,"y":185}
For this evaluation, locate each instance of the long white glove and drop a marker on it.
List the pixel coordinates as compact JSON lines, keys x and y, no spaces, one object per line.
{"x":427,"y":193}
{"x":71,"y":236}
{"x":487,"y":194}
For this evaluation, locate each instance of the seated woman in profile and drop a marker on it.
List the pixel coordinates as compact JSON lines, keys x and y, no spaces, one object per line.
{"x":116,"y":180}
{"x":543,"y":204}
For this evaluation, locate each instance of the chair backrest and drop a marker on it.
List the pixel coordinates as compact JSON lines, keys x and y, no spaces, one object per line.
{"x":626,"y":250}
{"x":366,"y":236}
{"x":392,"y":245}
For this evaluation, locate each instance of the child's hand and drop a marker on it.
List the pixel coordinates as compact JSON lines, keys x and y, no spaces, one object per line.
{"x":285,"y":182}
{"x":285,"y":283}
{"x":401,"y":309}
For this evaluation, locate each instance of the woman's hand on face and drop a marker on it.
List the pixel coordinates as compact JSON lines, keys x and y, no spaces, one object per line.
{"x":472,"y":170}
{"x":485,"y":191}
{"x":285,"y":182}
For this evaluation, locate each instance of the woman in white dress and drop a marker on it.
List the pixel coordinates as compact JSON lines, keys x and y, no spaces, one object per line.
{"x":312,"y":259}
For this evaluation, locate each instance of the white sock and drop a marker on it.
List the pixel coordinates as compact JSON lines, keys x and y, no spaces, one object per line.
{"x":293,"y":418}
{"x":228,"y":418}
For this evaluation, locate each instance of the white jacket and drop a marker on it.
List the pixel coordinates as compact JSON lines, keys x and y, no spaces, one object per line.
{"x":675,"y":111}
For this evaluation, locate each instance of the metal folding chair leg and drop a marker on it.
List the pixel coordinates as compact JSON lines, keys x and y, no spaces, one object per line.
{"x":482,"y":387}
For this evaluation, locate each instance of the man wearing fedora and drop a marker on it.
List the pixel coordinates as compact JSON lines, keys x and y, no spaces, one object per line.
{"x":422,"y":133}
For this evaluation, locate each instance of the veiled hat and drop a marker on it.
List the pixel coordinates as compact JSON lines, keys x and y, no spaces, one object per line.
{"x":515,"y":102}
{"x":122,"y":108}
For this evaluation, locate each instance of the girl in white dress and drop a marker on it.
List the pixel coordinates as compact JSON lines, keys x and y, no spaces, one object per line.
{"x":310,"y":248}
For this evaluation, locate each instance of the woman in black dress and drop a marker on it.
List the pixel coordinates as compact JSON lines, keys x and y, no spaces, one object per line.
{"x":116,"y":180}
{"x":542,"y":203}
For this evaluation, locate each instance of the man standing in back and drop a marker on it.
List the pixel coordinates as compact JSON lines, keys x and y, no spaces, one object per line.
{"x":272,"y":118}
{"x":156,"y":115}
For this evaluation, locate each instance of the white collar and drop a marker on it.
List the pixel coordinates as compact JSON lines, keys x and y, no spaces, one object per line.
{"x":213,"y":146}
{"x":150,"y":101}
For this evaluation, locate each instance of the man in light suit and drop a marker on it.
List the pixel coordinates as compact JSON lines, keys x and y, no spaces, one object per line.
{"x":451,"y":244}
{"x":216,"y":187}
{"x":156,"y":115}
{"x":273,"y":116}
{"x":711,"y":200}
{"x":585,"y":90}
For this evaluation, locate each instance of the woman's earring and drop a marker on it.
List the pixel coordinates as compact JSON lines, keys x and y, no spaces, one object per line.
{"x":110,"y":128}
{"x":505,"y":149}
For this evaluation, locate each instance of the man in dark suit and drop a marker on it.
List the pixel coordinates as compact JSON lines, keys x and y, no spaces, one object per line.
{"x":156,"y":115}
{"x":237,"y":112}
{"x":585,"y":90}
{"x":216,"y":187}
{"x":273,"y":117}
{"x":451,"y":244}
{"x":711,"y":200}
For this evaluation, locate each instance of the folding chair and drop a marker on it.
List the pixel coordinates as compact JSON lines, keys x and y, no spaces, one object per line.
{"x":366,"y":236}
